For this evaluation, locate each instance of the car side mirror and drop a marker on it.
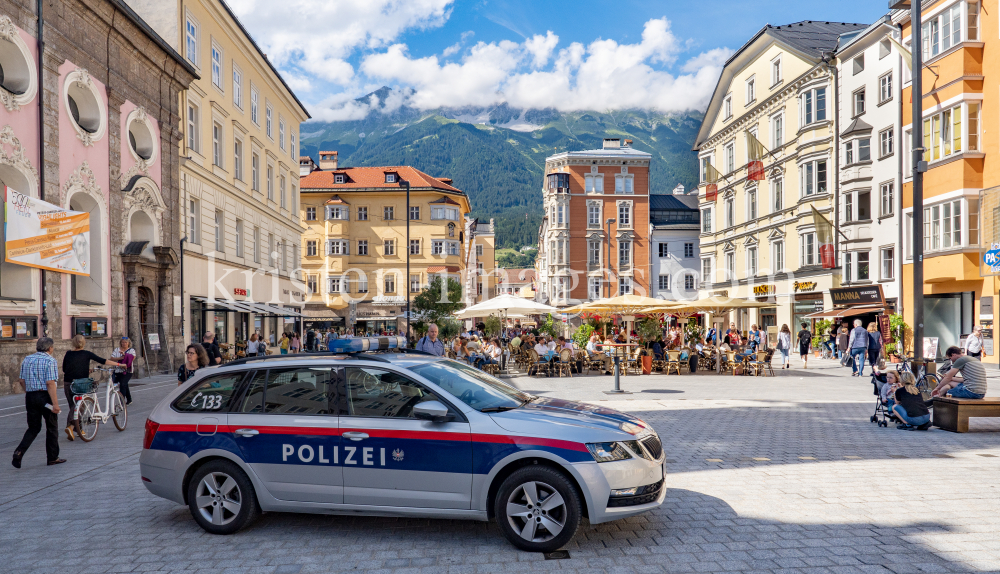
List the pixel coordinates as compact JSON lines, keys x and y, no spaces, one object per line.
{"x":432,"y":411}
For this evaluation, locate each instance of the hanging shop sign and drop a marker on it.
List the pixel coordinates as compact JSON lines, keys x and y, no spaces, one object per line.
{"x":40,"y":234}
{"x":803,"y":286}
{"x":867,"y":295}
{"x":764,"y":290}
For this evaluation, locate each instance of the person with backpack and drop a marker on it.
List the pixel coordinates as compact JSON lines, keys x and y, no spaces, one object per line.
{"x":430,"y":343}
{"x":125,"y":355}
{"x":805,"y":340}
{"x":874,"y":344}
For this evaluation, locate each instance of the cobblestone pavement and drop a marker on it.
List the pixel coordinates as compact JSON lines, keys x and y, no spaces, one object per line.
{"x":782,"y":474}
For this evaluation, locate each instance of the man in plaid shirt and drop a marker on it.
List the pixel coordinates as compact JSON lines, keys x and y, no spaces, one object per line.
{"x":39,"y":373}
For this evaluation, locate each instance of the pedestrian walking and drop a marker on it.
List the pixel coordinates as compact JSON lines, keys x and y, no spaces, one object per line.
{"x":874,"y":344}
{"x":39,"y":373}
{"x":858,"y":345}
{"x":295,"y":345}
{"x":211,"y":347}
{"x":974,"y":343}
{"x":785,"y":346}
{"x":195,"y":358}
{"x":76,"y":365}
{"x":283,"y":344}
{"x":253,"y":346}
{"x":805,"y":339}
{"x":430,"y":343}
{"x":125,"y":355}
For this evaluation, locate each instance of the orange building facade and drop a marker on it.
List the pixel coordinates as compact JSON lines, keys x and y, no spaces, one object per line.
{"x":960,"y":112}
{"x":582,"y":190}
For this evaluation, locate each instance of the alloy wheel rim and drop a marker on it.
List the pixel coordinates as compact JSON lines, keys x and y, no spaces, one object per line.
{"x":218,"y":498}
{"x":536,"y":511}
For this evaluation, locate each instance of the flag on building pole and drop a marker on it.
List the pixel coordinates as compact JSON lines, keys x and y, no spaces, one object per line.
{"x":712,"y":177}
{"x":825,"y":238}
{"x":907,"y":56}
{"x":755,"y":155}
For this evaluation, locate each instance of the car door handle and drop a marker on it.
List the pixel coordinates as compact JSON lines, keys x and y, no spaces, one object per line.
{"x":355,"y":435}
{"x":247,"y":432}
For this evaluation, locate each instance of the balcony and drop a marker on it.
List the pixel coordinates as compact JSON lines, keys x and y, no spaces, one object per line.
{"x":856,"y":172}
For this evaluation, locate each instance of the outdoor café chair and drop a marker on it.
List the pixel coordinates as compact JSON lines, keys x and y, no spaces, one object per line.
{"x":565,"y":362}
{"x":535,"y":361}
{"x":673,"y":362}
{"x":756,"y":363}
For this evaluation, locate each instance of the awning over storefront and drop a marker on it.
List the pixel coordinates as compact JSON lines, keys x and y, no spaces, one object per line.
{"x":849,"y":312}
{"x":225,"y":305}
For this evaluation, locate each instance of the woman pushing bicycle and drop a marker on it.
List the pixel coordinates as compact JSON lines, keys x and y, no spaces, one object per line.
{"x":76,"y":365}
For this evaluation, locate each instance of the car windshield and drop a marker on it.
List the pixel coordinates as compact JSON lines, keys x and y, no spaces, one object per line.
{"x":472,"y":386}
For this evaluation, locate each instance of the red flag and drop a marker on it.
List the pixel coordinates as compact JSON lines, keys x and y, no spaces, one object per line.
{"x":755,"y":153}
{"x":825,"y":239}
{"x":755,"y":170}
{"x":712,"y":192}
{"x":712,"y":177}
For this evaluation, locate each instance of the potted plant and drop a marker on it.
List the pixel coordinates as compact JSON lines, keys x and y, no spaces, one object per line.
{"x":897,"y":330}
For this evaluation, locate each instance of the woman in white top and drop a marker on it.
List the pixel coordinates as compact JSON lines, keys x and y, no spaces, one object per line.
{"x":974,"y":343}
{"x":785,"y":346}
{"x":252,"y":346}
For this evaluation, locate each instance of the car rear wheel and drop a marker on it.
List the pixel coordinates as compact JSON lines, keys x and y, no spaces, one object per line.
{"x":221,"y":498}
{"x":538,"y":509}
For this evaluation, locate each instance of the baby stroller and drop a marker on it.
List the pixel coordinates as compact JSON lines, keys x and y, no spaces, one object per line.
{"x":882,"y":414}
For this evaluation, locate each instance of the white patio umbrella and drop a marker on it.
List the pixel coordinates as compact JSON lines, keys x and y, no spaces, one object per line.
{"x":505,"y":304}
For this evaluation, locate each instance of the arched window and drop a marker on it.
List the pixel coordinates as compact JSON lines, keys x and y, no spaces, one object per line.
{"x":89,"y":252}
{"x":15,"y":280}
{"x":141,"y":229}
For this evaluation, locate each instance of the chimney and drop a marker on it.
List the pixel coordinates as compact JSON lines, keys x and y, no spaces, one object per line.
{"x":612,"y":143}
{"x":306,"y":165}
{"x":327,"y":160}
{"x":628,"y":143}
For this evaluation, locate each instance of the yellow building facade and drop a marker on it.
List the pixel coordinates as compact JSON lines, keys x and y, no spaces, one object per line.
{"x":961,"y":153}
{"x":356,"y":247}
{"x":758,"y":239}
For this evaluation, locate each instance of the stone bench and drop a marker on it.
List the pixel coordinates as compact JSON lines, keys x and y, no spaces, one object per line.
{"x":953,"y":414}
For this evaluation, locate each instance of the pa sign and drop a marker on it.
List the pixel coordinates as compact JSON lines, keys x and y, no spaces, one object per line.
{"x":991,"y":259}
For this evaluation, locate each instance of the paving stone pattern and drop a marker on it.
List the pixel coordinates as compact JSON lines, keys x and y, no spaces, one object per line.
{"x":782,"y":474}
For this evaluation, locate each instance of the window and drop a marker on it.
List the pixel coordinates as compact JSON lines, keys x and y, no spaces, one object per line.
{"x":885,"y":144}
{"x":192,"y":127}
{"x":414,"y":247}
{"x":813,"y":106}
{"x":688,"y":282}
{"x":389,"y":247}
{"x":884,"y":48}
{"x":310,"y":214}
{"x":943,"y":226}
{"x":254,"y":105}
{"x":706,"y":220}
{"x":886,"y":198}
{"x":594,"y":215}
{"x":479,"y":251}
{"x":943,"y":31}
{"x":338,"y":247}
{"x":730,"y":265}
{"x":291,"y":147}
{"x":624,"y":285}
{"x":594,"y":287}
{"x":688,"y":250}
{"x":751,"y":261}
{"x":216,"y":67}
{"x":778,"y":256}
{"x":863,"y":271}
{"x":437,"y":247}
{"x":885,"y":88}
{"x":705,"y":163}
{"x":727,"y":107}
{"x":335,"y":285}
{"x":219,"y":235}
{"x":267,"y":121}
{"x":775,"y":71}
{"x":238,"y":159}
{"x":415,"y":283}
{"x":777,"y":131}
{"x":943,"y":132}
{"x":593,"y":253}
{"x":813,"y":176}
{"x":362,"y":282}
{"x":311,"y":250}
{"x":624,"y":253}
{"x":560,"y":214}
{"x":362,"y":247}
{"x":777,"y":192}
{"x":281,"y":189}
{"x":281,"y":133}
{"x":751,"y":204}
{"x":217,"y":144}
{"x":445,"y":213}
{"x":362,"y":214}
{"x":255,"y":172}
{"x":593,"y":183}
{"x":312,"y":284}
{"x":888,"y":256}
{"x":706,"y":270}
{"x":859,"y":64}
{"x":664,"y":283}
{"x":270,"y":250}
{"x":255,"y":245}
{"x":214,"y":394}
{"x":193,"y":234}
{"x":389,"y":284}
{"x":623,"y":184}
{"x":414,"y":212}
{"x":390,"y":178}
{"x":807,"y":249}
{"x":729,"y":153}
{"x":237,"y":87}
{"x":191,"y":41}
{"x":751,"y":92}
{"x":624,"y":214}
{"x":730,"y":212}
{"x":856,"y":266}
{"x":859,"y":102}
{"x":453,"y":247}
{"x":664,"y":250}
{"x":388,"y":213}
{"x":239,"y":238}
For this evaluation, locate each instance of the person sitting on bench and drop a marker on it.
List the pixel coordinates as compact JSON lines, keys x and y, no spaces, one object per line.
{"x":972,"y":385}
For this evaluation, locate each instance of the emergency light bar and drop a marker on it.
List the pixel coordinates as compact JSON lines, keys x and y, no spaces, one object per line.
{"x":361,"y":344}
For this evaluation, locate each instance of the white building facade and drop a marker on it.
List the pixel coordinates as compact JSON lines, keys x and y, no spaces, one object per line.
{"x":674,"y":260}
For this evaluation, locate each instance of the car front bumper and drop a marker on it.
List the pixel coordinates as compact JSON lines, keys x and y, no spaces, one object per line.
{"x":601,"y":478}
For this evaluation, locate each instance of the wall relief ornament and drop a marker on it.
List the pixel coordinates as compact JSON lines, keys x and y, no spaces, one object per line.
{"x":15,"y":157}
{"x":82,"y":77}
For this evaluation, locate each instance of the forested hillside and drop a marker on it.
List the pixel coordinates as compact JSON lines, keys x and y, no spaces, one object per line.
{"x":497,"y":155}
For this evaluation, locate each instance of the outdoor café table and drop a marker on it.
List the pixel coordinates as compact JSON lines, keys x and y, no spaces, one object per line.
{"x":620,"y":350}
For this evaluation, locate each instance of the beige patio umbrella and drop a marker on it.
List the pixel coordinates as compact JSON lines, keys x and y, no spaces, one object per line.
{"x":628,"y":304}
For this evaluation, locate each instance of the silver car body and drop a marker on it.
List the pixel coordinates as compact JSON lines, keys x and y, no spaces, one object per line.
{"x":398,"y":466}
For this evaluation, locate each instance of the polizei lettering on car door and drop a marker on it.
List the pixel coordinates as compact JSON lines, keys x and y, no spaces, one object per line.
{"x":363,"y":456}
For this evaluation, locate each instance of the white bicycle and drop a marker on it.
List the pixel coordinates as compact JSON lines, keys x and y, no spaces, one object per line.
{"x":88,"y":413}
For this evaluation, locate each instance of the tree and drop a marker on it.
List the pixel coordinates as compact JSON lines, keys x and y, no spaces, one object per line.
{"x":492,"y":326}
{"x":437,"y":303}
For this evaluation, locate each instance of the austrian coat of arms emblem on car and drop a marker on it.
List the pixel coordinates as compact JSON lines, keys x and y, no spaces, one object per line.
{"x":397,"y":455}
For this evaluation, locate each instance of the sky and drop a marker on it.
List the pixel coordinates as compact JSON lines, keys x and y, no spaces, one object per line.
{"x":664,"y":55}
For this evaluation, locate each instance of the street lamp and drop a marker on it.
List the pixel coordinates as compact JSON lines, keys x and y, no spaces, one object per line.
{"x":406,"y":184}
{"x":609,"y":222}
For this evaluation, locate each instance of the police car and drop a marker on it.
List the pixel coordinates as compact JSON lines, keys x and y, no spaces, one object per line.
{"x":395,"y":434}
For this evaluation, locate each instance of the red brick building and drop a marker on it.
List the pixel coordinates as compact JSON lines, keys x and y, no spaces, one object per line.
{"x":582,"y":191}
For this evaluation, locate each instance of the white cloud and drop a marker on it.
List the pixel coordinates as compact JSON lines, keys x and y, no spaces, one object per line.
{"x":541,"y":47}
{"x":318,"y":37}
{"x":713,"y":58}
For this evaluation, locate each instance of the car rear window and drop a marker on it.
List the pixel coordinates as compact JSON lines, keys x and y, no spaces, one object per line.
{"x":212,"y":394}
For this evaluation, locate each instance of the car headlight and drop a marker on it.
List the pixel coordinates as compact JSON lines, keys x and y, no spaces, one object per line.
{"x":608,"y":451}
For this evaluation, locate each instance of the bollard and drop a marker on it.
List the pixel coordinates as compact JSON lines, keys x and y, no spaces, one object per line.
{"x":618,"y":389}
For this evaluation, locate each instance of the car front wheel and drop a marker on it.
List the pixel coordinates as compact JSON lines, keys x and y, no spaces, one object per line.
{"x":538,"y":509}
{"x":221,"y":498}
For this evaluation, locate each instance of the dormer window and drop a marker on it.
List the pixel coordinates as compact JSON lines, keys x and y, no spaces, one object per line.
{"x":390,"y":178}
{"x":338,"y":178}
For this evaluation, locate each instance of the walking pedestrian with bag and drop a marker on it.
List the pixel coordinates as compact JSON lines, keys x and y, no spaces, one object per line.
{"x":974,"y":343}
{"x":39,"y":373}
{"x":858,"y":345}
{"x":125,"y":355}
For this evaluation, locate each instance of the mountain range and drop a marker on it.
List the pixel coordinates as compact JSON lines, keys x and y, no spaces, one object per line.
{"x":497,"y":154}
